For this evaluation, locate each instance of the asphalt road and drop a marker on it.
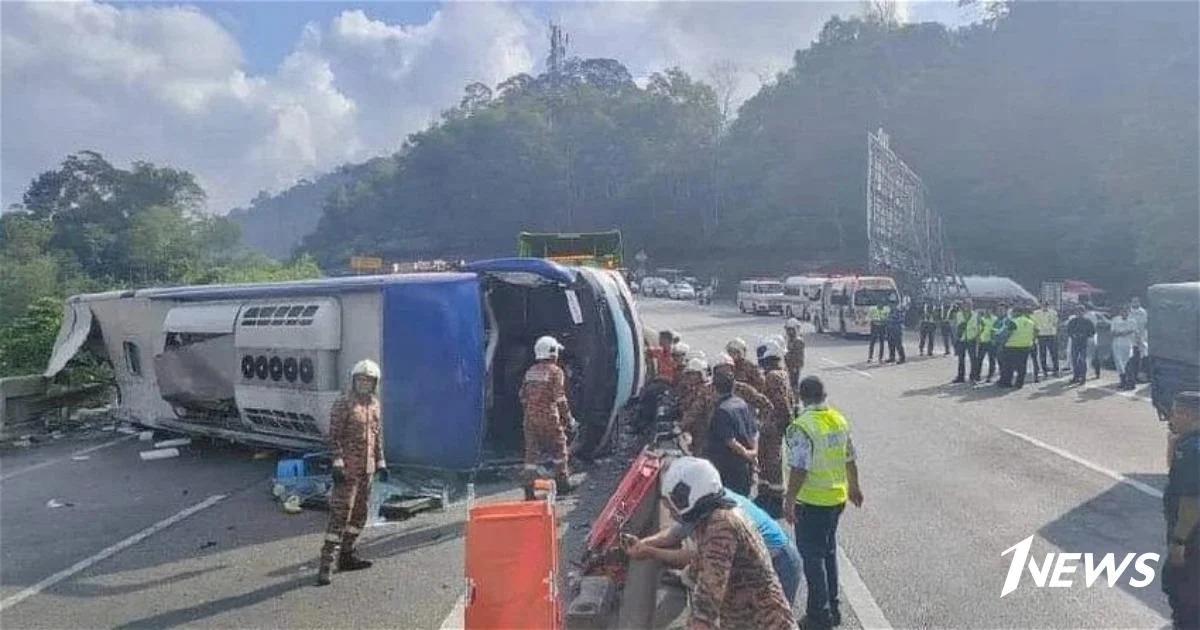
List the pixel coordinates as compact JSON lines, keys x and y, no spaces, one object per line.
{"x":952,"y":476}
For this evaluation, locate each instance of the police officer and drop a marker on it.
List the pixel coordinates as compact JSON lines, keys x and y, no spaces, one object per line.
{"x":946,"y":327}
{"x":1181,"y":509}
{"x":357,"y":449}
{"x":795,"y":351}
{"x":894,"y":329}
{"x":770,"y":439}
{"x":929,"y":325}
{"x":878,"y":316}
{"x":547,"y":415}
{"x":824,"y":475}
{"x":966,"y":326}
{"x":1018,"y":348}
{"x":986,"y":349}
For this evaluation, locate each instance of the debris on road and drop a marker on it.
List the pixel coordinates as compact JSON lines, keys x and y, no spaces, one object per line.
{"x":173,"y":443}
{"x":55,"y":503}
{"x":23,"y":443}
{"x":81,"y":458}
{"x":146,"y":436}
{"x":162,"y":453}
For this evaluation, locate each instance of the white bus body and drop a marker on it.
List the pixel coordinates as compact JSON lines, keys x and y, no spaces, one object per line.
{"x":802,"y":296}
{"x":760,"y":296}
{"x":846,"y":302}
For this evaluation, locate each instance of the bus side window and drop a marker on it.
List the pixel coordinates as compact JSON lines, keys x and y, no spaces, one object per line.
{"x":839,"y":298}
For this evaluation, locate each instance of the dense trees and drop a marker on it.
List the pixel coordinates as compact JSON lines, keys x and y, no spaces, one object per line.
{"x":90,"y":226}
{"x":1057,"y":139}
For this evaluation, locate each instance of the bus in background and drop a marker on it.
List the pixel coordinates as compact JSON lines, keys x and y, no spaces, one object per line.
{"x":585,"y":249}
{"x":760,"y":296}
{"x":802,"y":296}
{"x":846,"y":302}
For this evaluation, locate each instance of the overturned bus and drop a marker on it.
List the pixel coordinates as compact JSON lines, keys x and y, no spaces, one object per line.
{"x":262,"y":364}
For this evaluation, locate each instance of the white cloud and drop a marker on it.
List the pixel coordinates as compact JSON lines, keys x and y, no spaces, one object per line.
{"x":169,"y":84}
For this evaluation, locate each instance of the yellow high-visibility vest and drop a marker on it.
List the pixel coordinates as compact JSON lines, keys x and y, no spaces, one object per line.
{"x":829,"y":434}
{"x":1024,"y":335}
{"x":985,"y":331}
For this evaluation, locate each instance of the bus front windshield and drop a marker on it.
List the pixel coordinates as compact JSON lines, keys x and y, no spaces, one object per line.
{"x":874,"y":297}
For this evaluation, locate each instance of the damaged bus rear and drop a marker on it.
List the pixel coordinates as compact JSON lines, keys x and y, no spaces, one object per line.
{"x":262,"y":364}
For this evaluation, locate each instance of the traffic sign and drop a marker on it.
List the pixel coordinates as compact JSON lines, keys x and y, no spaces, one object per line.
{"x":366,"y":263}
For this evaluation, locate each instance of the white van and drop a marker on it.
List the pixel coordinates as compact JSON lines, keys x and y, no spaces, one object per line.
{"x":760,"y":296}
{"x":802,"y":296}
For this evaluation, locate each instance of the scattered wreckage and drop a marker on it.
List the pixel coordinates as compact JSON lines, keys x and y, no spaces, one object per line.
{"x":261,"y":364}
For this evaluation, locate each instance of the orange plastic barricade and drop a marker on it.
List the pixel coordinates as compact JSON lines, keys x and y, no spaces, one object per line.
{"x":512,"y":567}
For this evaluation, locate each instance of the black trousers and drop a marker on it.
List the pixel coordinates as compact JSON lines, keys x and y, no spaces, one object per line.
{"x":1014,"y":366}
{"x":928,"y":330}
{"x":1182,"y":586}
{"x":816,"y":539}
{"x":947,"y":337}
{"x":878,"y":334}
{"x":984,"y":351}
{"x":895,"y":339}
{"x":1048,"y":345}
{"x":966,"y":355}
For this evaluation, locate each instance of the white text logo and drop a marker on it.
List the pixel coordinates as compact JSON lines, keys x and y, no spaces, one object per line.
{"x":1056,"y":570}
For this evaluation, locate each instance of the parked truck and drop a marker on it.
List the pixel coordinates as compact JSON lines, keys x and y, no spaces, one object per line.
{"x":1174,"y":342}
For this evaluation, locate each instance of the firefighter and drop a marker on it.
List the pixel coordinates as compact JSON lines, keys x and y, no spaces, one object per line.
{"x":547,"y":415}
{"x":795,"y":351}
{"x":744,"y":370}
{"x":357,"y":449}
{"x":696,"y":410}
{"x":770,"y":440}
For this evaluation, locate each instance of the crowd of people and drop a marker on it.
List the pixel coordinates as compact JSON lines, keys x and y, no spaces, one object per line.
{"x":747,"y":418}
{"x":1011,"y":341}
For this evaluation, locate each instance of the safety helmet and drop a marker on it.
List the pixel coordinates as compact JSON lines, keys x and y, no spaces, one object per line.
{"x":769,"y":348}
{"x":546,"y":348}
{"x":723,"y":359}
{"x":696,"y":365}
{"x":697,"y":354}
{"x":680,"y":348}
{"x":366,"y":367}
{"x":736,"y":344}
{"x":687,"y":480}
{"x":792,"y":324}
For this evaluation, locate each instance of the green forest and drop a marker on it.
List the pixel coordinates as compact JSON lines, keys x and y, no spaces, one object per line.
{"x":90,"y":226}
{"x":1057,"y":140}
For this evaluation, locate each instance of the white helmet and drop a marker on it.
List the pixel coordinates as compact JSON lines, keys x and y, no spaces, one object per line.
{"x":792,"y":324}
{"x":546,"y":348}
{"x":723,"y":359}
{"x":680,"y":348}
{"x":697,"y":354}
{"x":366,"y":367}
{"x":696,"y":365}
{"x":736,"y":344}
{"x":770,"y":347}
{"x":689,"y":479}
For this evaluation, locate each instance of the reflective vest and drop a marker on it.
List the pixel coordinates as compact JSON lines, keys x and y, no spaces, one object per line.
{"x":971,"y":331}
{"x":1046,"y":321}
{"x":986,"y":329}
{"x":878,"y":314}
{"x":929,"y":314}
{"x":1024,"y":333}
{"x":829,"y":434}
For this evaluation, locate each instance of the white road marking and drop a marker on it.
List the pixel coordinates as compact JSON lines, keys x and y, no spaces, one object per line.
{"x":106,"y":553}
{"x":51,"y":462}
{"x":456,"y":620}
{"x":1133,"y":483}
{"x":846,"y":367}
{"x":1118,"y":392}
{"x":870,"y":615}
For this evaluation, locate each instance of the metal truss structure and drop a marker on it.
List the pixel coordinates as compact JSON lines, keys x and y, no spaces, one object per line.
{"x":905,"y":235}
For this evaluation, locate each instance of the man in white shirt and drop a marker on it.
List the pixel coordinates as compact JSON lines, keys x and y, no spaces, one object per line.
{"x":1141,"y":342}
{"x":1046,"y":320}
